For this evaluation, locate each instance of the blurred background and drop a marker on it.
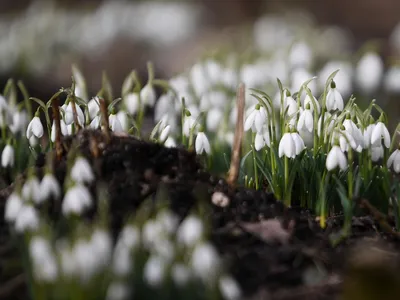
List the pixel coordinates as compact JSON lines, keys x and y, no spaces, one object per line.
{"x":40,"y":40}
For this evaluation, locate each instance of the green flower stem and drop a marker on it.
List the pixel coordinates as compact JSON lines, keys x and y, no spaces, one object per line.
{"x":287,"y":200}
{"x":254,"y":161}
{"x":28,"y":104}
{"x":350,"y":174}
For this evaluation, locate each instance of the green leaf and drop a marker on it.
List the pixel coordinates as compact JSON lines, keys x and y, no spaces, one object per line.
{"x":112,"y":104}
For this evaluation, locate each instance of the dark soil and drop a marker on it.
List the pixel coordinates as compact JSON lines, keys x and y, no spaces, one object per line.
{"x":272,"y":251}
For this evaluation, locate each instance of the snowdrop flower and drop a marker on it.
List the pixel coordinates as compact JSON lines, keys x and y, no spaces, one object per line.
{"x":33,"y":141}
{"x":333,"y":99}
{"x":129,"y":237}
{"x":69,"y":114}
{"x":336,"y":158}
{"x":367,"y":134}
{"x":45,"y":268}
{"x":300,"y":55}
{"x":67,"y":260}
{"x":93,"y":107}
{"x":164,"y":134}
{"x":190,"y":231}
{"x":154,"y":270}
{"x":291,"y":145}
{"x":311,"y":102}
{"x":213,"y":119}
{"x":394,"y":161}
{"x":95,"y":123}
{"x":189,"y":124}
{"x":122,"y":262}
{"x":131,"y":102}
{"x":152,"y":232}
{"x":180,"y":274}
{"x":81,"y":171}
{"x":49,"y":187}
{"x":377,"y":153}
{"x":199,"y":79}
{"x":85,"y":261}
{"x":378,"y":133}
{"x":256,"y":119}
{"x":102,"y":246}
{"x":306,"y":120}
{"x":19,"y":120}
{"x":164,"y":106}
{"x":290,"y":104}
{"x":64,"y":130}
{"x":76,"y":200}
{"x":7,"y":156}
{"x":392,"y":79}
{"x":148,"y":95}
{"x":35,"y":128}
{"x":262,"y":138}
{"x":117,"y":291}
{"x":168,"y":220}
{"x":170,"y":142}
{"x":205,"y":262}
{"x":229,"y":288}
{"x":355,"y":133}
{"x":202,"y":144}
{"x":27,"y":219}
{"x":369,"y":72}
{"x":31,"y":190}
{"x":13,"y":205}
{"x":115,"y":123}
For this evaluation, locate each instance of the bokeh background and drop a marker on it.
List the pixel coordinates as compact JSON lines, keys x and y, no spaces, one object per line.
{"x":39,"y":40}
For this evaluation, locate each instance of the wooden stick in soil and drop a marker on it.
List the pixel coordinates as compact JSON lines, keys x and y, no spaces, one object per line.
{"x":75,"y":114}
{"x":55,"y":105}
{"x":104,"y":118}
{"x":233,"y":172}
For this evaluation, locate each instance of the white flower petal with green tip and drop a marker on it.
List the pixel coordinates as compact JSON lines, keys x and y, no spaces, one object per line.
{"x":7,"y":156}
{"x":394,"y":161}
{"x":35,"y":128}
{"x":202,"y":144}
{"x":380,"y":132}
{"x":334,"y":100}
{"x":336,"y":158}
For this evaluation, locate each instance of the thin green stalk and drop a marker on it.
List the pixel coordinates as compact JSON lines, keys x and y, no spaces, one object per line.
{"x":254,"y":161}
{"x":350,"y":174}
{"x":286,"y":192}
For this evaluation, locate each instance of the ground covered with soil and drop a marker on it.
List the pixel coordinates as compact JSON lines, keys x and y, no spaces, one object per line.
{"x":274,"y":252}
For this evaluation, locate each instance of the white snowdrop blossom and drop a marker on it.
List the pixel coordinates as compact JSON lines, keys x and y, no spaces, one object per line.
{"x":205,"y":262}
{"x":69,"y":114}
{"x":13,"y":205}
{"x":93,"y":107}
{"x":31,"y":190}
{"x":202,"y":144}
{"x":229,"y":288}
{"x":369,"y":72}
{"x":164,"y":134}
{"x":102,"y":246}
{"x":256,"y":119}
{"x":189,"y":124}
{"x":124,"y":120}
{"x":379,"y":133}
{"x":44,"y":264}
{"x":306,"y":120}
{"x":86,"y":262}
{"x":394,"y":161}
{"x":180,"y":274}
{"x":334,"y":100}
{"x":377,"y":153}
{"x":35,"y":128}
{"x":148,"y":95}
{"x":122,"y":262}
{"x":355,"y":133}
{"x":262,"y":139}
{"x":168,"y":220}
{"x":392,"y":79}
{"x":154,"y":270}
{"x":170,"y":142}
{"x":7,"y":156}
{"x":64,"y":130}
{"x":81,"y":171}
{"x":95,"y":123}
{"x":19,"y":121}
{"x":117,"y":291}
{"x":27,"y":219}
{"x":291,"y":145}
{"x":49,"y":187}
{"x":131,"y":102}
{"x":300,"y":55}
{"x":115,"y":123}
{"x":336,"y":158}
{"x":311,"y":102}
{"x":76,"y":200}
{"x":213,"y":119}
{"x":190,"y":231}
{"x":367,"y":135}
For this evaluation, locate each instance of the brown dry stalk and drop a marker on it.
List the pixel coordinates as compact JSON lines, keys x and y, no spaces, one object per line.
{"x":75,"y":114}
{"x":233,"y":172}
{"x":55,"y":105}
{"x":104,"y":119}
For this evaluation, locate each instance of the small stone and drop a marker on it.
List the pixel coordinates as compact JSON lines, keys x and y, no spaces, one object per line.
{"x":220,"y":199}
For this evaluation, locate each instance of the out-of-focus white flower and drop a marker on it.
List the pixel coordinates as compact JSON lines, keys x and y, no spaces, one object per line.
{"x":131,"y":102}
{"x":148,"y":95}
{"x":213,"y":120}
{"x":154,"y":271}
{"x":168,"y":220}
{"x":180,"y":274}
{"x":164,"y":133}
{"x":130,"y":237}
{"x":298,"y":77}
{"x":151,"y":233}
{"x":392,"y":79}
{"x":190,"y":231}
{"x":205,"y":262}
{"x":115,"y":123}
{"x":256,"y":119}
{"x":76,"y":200}
{"x":44,"y":264}
{"x":369,"y":72}
{"x":170,"y":142}
{"x":199,"y":79}
{"x":49,"y":187}
{"x":19,"y":122}
{"x":31,"y":190}
{"x":7,"y":156}
{"x":122,"y":262}
{"x":117,"y":291}
{"x":394,"y":161}
{"x":102,"y":246}
{"x":334,"y":100}
{"x":13,"y":205}
{"x":336,"y":158}
{"x":229,"y":288}
{"x":202,"y":144}
{"x":27,"y":219}
{"x":81,"y":171}
{"x":64,"y":130}
{"x":300,"y":55}
{"x":35,"y":128}
{"x":306,"y":120}
{"x":377,"y":153}
{"x":86,"y":262}
{"x":291,"y":145}
{"x":378,"y":133}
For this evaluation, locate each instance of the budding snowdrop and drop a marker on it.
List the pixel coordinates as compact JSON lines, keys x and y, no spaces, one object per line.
{"x":27,"y":219}
{"x":31,"y":190}
{"x":93,"y":107}
{"x":164,"y":134}
{"x":148,"y":95}
{"x":122,"y":262}
{"x":369,"y":72}
{"x":229,"y":288}
{"x":69,"y":114}
{"x":44,"y":263}
{"x":64,"y":130}
{"x":49,"y":187}
{"x":190,"y":231}
{"x":378,"y":133}
{"x":336,"y":158}
{"x":205,"y":262}
{"x":306,"y":120}
{"x":7,"y":156}
{"x":202,"y":144}
{"x":291,"y":145}
{"x":35,"y":128}
{"x":334,"y":100}
{"x":256,"y":119}
{"x":394,"y":161}
{"x":262,"y":138}
{"x":313,"y":102}
{"x":13,"y":205}
{"x":290,"y":104}
{"x":377,"y":153}
{"x":154,"y":270}
{"x":76,"y":200}
{"x":81,"y":171}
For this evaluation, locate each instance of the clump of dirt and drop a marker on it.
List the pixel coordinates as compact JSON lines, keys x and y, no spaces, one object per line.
{"x":274,"y":252}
